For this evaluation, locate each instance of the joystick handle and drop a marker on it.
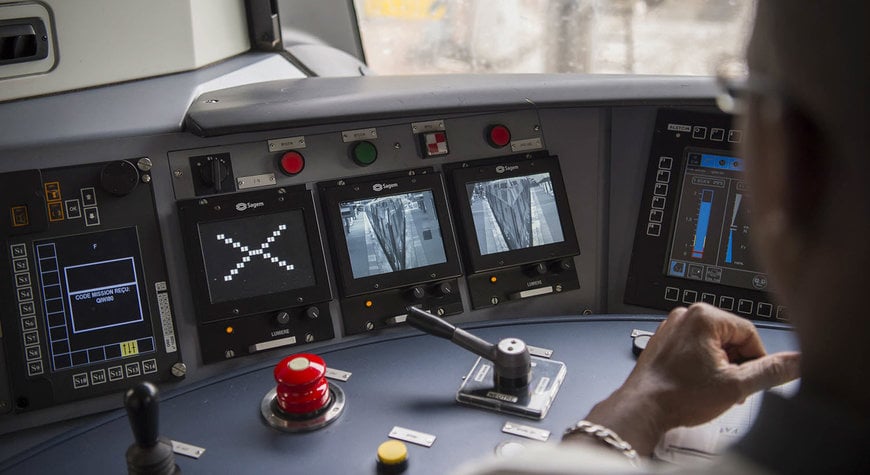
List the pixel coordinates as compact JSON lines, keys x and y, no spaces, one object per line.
{"x":425,"y":321}
{"x":511,"y":359}
{"x":143,"y":413}
{"x":150,"y":454}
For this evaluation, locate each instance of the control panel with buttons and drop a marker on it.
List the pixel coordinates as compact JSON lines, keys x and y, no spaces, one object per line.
{"x":692,"y":242}
{"x":85,"y":306}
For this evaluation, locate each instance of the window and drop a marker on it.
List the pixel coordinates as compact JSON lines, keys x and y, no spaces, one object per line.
{"x":684,"y":37}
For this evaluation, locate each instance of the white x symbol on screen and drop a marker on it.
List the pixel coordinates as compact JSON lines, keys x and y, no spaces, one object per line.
{"x":261,"y":251}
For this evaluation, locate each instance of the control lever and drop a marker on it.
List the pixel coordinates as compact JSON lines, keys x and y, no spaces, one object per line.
{"x":150,"y":454}
{"x":511,"y":359}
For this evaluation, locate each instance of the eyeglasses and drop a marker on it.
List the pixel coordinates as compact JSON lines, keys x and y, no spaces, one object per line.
{"x":734,"y":92}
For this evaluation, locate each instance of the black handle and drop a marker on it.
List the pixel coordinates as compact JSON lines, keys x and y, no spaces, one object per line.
{"x":425,"y":321}
{"x":433,"y":325}
{"x":143,"y":412}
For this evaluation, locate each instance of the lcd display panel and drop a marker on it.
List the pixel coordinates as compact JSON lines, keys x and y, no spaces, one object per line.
{"x":514,"y":213}
{"x":711,"y":239}
{"x":93,"y":297}
{"x":256,"y":255}
{"x":392,"y":233}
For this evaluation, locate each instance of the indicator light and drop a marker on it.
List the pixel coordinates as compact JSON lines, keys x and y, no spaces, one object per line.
{"x":364,"y":153}
{"x":493,"y":279}
{"x":369,"y":304}
{"x":291,"y":163}
{"x":498,"y":136}
{"x":230,"y":330}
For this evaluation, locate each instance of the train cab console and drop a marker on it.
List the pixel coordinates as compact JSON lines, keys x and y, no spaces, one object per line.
{"x":259,"y":266}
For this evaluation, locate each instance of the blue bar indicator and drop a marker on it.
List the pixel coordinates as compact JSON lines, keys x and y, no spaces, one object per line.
{"x":721,"y":162}
{"x":703,"y":223}
{"x":729,"y":253}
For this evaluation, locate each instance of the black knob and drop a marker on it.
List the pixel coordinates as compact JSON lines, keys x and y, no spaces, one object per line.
{"x":538,"y":269}
{"x":142,"y":410}
{"x":282,"y":318}
{"x":418,"y":292}
{"x":312,"y":312}
{"x":566,"y":264}
{"x":445,"y":288}
{"x":213,"y":173}
{"x":119,"y":178}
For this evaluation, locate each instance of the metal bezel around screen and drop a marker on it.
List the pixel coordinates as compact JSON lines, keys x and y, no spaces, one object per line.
{"x":376,"y":187}
{"x":224,"y":209}
{"x":495,"y":170}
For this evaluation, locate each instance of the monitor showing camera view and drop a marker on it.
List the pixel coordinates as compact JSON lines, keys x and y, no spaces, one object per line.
{"x":514,"y":213}
{"x":392,"y":233}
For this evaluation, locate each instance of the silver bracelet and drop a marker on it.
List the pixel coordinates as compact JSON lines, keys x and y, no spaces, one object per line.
{"x":606,"y":436}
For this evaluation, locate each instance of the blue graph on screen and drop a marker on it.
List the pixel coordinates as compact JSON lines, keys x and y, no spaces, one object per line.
{"x":703,"y":223}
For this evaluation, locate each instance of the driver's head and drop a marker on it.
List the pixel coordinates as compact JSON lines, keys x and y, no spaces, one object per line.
{"x":808,"y":164}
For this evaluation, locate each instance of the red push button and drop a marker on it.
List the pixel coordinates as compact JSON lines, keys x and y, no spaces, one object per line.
{"x":499,"y":136}
{"x":292,"y":163}
{"x":302,"y":385}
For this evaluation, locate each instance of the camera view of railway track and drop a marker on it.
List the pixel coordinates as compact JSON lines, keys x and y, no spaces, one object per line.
{"x":392,"y":233}
{"x":514,"y":213}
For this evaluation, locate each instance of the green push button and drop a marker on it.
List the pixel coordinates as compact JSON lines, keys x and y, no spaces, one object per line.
{"x":364,"y":153}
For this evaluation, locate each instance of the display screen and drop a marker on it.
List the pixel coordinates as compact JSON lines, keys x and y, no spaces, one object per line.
{"x":93,"y":298}
{"x":256,"y":255}
{"x":392,"y":233}
{"x":514,"y":213}
{"x":711,"y":237}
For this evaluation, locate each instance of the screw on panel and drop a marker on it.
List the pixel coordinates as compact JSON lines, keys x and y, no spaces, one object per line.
{"x":229,"y":354}
{"x":370,"y":326}
{"x":179,"y":370}
{"x":309,"y":338}
{"x":146,"y":178}
{"x":203,"y":202}
{"x":537,"y":128}
{"x":587,"y":312}
{"x":494,"y":300}
{"x":144,"y":164}
{"x":211,"y":101}
{"x":177,"y":173}
{"x":397,"y":146}
{"x":558,"y":287}
{"x":440,"y":311}
{"x":235,"y":311}
{"x":217,"y":207}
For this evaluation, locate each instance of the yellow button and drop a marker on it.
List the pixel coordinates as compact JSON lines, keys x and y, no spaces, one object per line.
{"x":392,"y":452}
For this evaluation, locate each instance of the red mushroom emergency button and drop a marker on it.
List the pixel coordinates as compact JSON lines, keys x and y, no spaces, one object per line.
{"x":302,"y":385}
{"x":303,"y":400}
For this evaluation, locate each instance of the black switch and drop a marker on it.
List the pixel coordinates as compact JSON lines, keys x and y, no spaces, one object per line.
{"x":212,"y":174}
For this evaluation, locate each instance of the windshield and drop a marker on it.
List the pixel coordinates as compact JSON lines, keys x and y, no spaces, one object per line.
{"x":683,"y":37}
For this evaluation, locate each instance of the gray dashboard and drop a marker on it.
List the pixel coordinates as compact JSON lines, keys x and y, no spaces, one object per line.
{"x":598,"y":129}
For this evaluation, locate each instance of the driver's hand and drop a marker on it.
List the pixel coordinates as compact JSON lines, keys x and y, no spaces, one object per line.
{"x":701,"y":361}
